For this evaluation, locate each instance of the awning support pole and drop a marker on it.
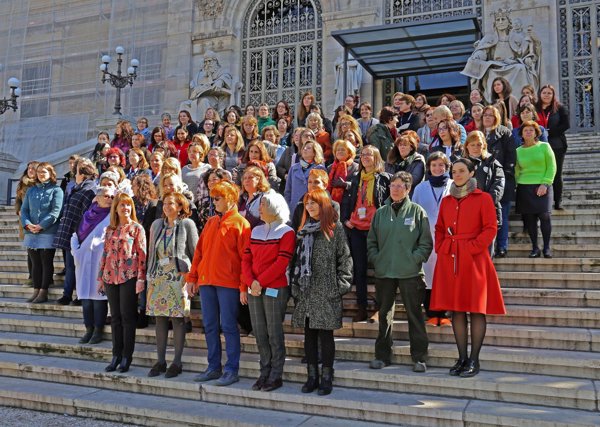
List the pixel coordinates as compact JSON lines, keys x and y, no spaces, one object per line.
{"x":345,"y":81}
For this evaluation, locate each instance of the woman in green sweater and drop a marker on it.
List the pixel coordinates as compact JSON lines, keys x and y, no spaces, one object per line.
{"x":534,"y":172}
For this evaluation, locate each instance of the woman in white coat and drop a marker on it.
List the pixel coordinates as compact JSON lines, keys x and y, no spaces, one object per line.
{"x":428,"y":194}
{"x":87,"y":245}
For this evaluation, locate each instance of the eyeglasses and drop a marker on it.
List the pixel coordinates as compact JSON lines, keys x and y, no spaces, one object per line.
{"x":398,"y":187}
{"x":106,"y":196}
{"x":442,"y":128}
{"x":217,"y":199}
{"x":428,"y":115}
{"x":489,"y":115}
{"x":114,"y":156}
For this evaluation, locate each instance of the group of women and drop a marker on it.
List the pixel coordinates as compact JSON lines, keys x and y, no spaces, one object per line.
{"x":211,"y":214}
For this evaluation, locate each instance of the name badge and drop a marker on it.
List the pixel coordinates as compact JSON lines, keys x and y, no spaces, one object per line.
{"x":409,"y":221}
{"x":163,"y":262}
{"x":362,"y":213}
{"x":272,"y":292}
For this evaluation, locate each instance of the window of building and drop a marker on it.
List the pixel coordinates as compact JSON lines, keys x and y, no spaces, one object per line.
{"x":280,"y":51}
{"x":145,"y":101}
{"x":34,"y":107}
{"x":36,"y":78}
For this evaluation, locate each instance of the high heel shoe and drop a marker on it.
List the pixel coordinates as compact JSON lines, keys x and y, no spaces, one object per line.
{"x":458,"y":367}
{"x":114,"y":363}
{"x":535,"y":253}
{"x":124,"y":366}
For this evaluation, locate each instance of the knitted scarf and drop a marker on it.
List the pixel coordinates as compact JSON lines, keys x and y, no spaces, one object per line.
{"x":464,"y":190}
{"x":304,"y":248}
{"x":404,"y":164}
{"x":338,"y":170}
{"x":91,"y":218}
{"x":438,"y":181}
{"x":369,"y":178}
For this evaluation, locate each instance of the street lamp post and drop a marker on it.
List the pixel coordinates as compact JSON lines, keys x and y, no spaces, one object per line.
{"x":15,"y":92}
{"x":118,"y":80}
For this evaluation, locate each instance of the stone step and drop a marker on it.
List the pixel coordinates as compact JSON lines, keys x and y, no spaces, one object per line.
{"x":580,"y":339}
{"x":564,"y":225}
{"x":521,"y":250}
{"x":155,"y":410}
{"x":21,"y":266}
{"x":567,"y":214}
{"x":560,"y":363}
{"x":573,"y":236}
{"x":20,"y":277}
{"x":577,"y":195}
{"x":20,"y":254}
{"x":532,"y":390}
{"x":556,"y":264}
{"x":531,"y":279}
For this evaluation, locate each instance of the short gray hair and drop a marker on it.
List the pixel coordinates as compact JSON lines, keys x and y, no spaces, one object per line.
{"x":276,"y":205}
{"x":105,"y":190}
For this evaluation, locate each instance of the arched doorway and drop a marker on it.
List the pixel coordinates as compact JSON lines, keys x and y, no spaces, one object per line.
{"x":281,"y":45}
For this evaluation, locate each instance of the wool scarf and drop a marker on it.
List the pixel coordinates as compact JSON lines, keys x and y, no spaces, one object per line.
{"x":91,"y":218}
{"x":438,"y":181}
{"x":304,"y":248}
{"x":464,"y":190}
{"x":338,"y":170}
{"x":369,"y":178}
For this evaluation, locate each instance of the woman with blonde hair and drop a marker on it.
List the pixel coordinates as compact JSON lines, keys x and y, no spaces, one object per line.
{"x":216,"y":270}
{"x":249,"y":129}
{"x":233,"y":145}
{"x":342,"y":170}
{"x":311,"y":157}
{"x":122,"y":276}
{"x":501,"y":145}
{"x":170,"y":252}
{"x":315,"y":123}
{"x":367,"y":192}
{"x":193,"y":172}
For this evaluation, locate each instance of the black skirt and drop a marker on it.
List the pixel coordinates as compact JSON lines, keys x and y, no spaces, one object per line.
{"x":528,"y":202}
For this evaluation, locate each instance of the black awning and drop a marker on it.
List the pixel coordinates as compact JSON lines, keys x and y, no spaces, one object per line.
{"x":410,"y":49}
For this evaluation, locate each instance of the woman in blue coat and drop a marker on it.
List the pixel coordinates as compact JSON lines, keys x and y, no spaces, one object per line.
{"x":296,"y":184}
{"x":39,"y":217}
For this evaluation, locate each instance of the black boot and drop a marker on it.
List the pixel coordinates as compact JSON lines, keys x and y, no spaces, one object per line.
{"x":89,"y":331}
{"x":96,"y":336}
{"x":312,"y":383}
{"x":114,"y":364}
{"x":326,"y":382}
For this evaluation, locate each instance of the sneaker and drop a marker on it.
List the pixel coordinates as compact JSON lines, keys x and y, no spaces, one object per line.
{"x":378,"y":364}
{"x":207,"y":376}
{"x":227,"y":378}
{"x":64,"y":300}
{"x":434,"y":321}
{"x":420,"y":367}
{"x":445,"y":322}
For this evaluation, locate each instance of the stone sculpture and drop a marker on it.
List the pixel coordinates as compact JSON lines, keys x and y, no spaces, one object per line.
{"x":508,"y":52}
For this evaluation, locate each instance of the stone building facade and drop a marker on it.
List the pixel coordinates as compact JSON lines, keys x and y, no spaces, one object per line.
{"x":274,"y":49}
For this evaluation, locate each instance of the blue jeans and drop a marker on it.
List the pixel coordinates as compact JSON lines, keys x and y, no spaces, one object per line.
{"x":220,"y":308}
{"x":69,"y":285}
{"x":503,"y":229}
{"x":94,"y":312}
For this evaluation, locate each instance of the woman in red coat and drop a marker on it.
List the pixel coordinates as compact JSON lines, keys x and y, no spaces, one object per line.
{"x":465,"y":280}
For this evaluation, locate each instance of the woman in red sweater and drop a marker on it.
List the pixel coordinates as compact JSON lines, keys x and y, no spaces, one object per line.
{"x":264,"y":267}
{"x":217,"y":271}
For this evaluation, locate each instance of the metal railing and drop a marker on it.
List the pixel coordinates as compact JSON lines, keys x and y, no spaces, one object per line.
{"x":9,"y":189}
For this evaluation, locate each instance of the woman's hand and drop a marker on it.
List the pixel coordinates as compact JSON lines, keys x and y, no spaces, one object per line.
{"x":542,"y":190}
{"x":189,"y":287}
{"x":244,"y":298}
{"x":348,"y":224}
{"x":255,"y":288}
{"x":139,"y":286}
{"x":101,"y":288}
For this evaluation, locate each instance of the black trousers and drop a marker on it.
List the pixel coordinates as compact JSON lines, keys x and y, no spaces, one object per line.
{"x":42,"y":267}
{"x":122,"y":300}
{"x":311,"y":346}
{"x":557,"y":185}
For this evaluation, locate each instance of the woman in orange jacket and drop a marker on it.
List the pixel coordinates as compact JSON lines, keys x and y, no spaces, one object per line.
{"x":217,"y":271}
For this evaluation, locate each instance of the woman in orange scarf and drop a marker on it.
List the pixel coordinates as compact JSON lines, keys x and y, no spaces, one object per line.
{"x":342,"y":170}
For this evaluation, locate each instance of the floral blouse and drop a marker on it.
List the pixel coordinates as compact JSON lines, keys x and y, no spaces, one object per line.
{"x":124,"y":255}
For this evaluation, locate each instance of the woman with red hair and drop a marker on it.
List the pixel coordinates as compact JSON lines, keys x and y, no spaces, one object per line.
{"x":321,"y":255}
{"x":216,"y":271}
{"x":116,"y":157}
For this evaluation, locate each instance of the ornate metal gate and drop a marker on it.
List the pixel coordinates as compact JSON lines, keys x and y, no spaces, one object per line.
{"x":580,"y":62}
{"x":281,"y":51}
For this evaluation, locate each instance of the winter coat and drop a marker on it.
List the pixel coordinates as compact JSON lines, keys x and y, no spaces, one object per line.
{"x":557,"y":125}
{"x":380,"y":137}
{"x":416,"y":169}
{"x":42,"y":206}
{"x":465,"y":279}
{"x":381,"y":190}
{"x":297,"y":183}
{"x":331,"y":278}
{"x":399,"y":244}
{"x":87,"y":256}
{"x":78,"y":201}
{"x":490,"y":179}
{"x":501,"y":145}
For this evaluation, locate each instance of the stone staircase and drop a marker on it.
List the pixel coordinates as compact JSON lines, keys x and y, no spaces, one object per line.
{"x":540,"y":362}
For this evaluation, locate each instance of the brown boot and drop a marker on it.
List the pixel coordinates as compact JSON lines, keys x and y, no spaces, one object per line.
{"x":361,"y":315}
{"x":34,"y":296}
{"x":42,"y":297}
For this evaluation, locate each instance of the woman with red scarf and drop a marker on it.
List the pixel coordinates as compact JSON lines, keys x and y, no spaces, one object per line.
{"x":342,"y":170}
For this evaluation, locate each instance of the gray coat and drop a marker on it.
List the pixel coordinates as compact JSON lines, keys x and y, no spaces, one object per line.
{"x":331,"y":278}
{"x":186,"y":238}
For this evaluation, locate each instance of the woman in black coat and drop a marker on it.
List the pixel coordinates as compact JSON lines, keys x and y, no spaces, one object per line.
{"x":555,"y":118}
{"x":488,"y":171}
{"x":501,"y":145}
{"x":404,"y":157}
